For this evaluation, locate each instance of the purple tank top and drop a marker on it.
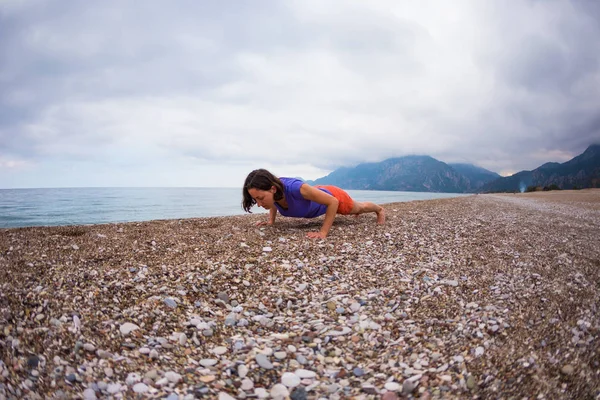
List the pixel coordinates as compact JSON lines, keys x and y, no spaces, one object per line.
{"x":298,"y":206}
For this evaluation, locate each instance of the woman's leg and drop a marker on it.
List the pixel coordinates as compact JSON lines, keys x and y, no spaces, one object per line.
{"x":348,"y":206}
{"x":366,"y":207}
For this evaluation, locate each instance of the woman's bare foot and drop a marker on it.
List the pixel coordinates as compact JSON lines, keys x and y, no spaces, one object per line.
{"x":380,"y":217}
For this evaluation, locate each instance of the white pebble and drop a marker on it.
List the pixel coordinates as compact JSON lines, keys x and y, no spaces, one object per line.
{"x":247,"y":384}
{"x":173,"y":377}
{"x":208,"y":362}
{"x":305,"y":373}
{"x":140,"y":388}
{"x":182,"y":339}
{"x":278,"y":391}
{"x":89,"y":347}
{"x":132,"y":379}
{"x":225,"y":396}
{"x":113,"y":388}
{"x":127,"y":328}
{"x":290,"y":380}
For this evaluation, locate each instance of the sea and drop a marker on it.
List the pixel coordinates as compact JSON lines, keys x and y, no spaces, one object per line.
{"x":85,"y":206}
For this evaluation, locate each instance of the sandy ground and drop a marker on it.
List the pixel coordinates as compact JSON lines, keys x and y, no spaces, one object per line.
{"x":485,"y":296}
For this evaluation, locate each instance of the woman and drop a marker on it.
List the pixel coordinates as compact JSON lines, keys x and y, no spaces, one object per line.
{"x":294,"y":198}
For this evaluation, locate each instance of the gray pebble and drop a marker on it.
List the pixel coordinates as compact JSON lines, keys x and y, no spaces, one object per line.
{"x":263,"y":361}
{"x":170,"y":302}
{"x":301,"y":359}
{"x":299,"y":393}
{"x":408,"y":387}
{"x":223,"y":297}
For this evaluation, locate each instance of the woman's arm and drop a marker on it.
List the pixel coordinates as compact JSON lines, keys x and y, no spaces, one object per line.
{"x":319,"y":196}
{"x":272,"y":215}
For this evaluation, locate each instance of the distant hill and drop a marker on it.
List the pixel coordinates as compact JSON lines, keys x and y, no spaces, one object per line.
{"x":582,"y":171}
{"x":410,"y":173}
{"x":477,"y":176}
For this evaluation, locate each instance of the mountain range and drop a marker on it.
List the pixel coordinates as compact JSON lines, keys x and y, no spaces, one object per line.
{"x":426,"y":174}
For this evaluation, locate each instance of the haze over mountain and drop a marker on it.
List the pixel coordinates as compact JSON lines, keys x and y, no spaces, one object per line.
{"x":580,"y":172}
{"x":426,"y":174}
{"x":411,"y":174}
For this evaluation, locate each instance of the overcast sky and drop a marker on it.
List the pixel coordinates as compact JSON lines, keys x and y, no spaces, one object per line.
{"x":198,"y":93}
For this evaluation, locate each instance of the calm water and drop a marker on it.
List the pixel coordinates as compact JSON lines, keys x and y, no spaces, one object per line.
{"x":81,"y":206}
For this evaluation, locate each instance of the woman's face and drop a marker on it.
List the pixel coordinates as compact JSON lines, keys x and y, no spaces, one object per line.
{"x":263,"y":198}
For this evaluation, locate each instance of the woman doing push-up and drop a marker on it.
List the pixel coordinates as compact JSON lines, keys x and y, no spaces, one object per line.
{"x":295,"y":198}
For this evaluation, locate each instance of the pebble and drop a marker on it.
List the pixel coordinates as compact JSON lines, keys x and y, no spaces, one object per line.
{"x":208,"y":362}
{"x":301,"y":359}
{"x":408,"y":386}
{"x":299,"y":393}
{"x":290,"y":380}
{"x":261,"y":393}
{"x":127,"y":328}
{"x":33,"y":361}
{"x":230,"y":320}
{"x":182,"y":339}
{"x":471,"y":382}
{"x":172,"y":376}
{"x":140,"y":388}
{"x":305,"y":373}
{"x":220,"y":350}
{"x":207,"y":332}
{"x":263,"y":361}
{"x":242,"y":371}
{"x":225,"y":396}
{"x":224,"y":297}
{"x":171,"y":303}
{"x":113,"y":388}
{"x":132,"y":378}
{"x":392,"y":386}
{"x":279,"y":392}
{"x":89,"y":394}
{"x":105,"y":355}
{"x":568,"y":369}
{"x":89,"y":347}
{"x":247,"y":384}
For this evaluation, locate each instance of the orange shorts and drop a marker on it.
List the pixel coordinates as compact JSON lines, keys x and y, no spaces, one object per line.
{"x":346,"y":202}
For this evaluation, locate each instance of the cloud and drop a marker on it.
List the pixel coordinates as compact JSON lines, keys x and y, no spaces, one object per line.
{"x":301,"y":86}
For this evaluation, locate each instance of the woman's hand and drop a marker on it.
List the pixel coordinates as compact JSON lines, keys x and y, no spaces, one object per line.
{"x":316,"y":235}
{"x":263,"y":223}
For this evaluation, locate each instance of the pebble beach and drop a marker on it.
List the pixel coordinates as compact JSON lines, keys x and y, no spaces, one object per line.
{"x":483,"y":296}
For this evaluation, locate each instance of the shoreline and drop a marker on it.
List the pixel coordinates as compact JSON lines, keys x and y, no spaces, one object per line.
{"x":486,"y":295}
{"x":120,"y":206}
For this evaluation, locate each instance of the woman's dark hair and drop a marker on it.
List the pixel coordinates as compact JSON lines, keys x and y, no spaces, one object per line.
{"x":260,"y":179}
